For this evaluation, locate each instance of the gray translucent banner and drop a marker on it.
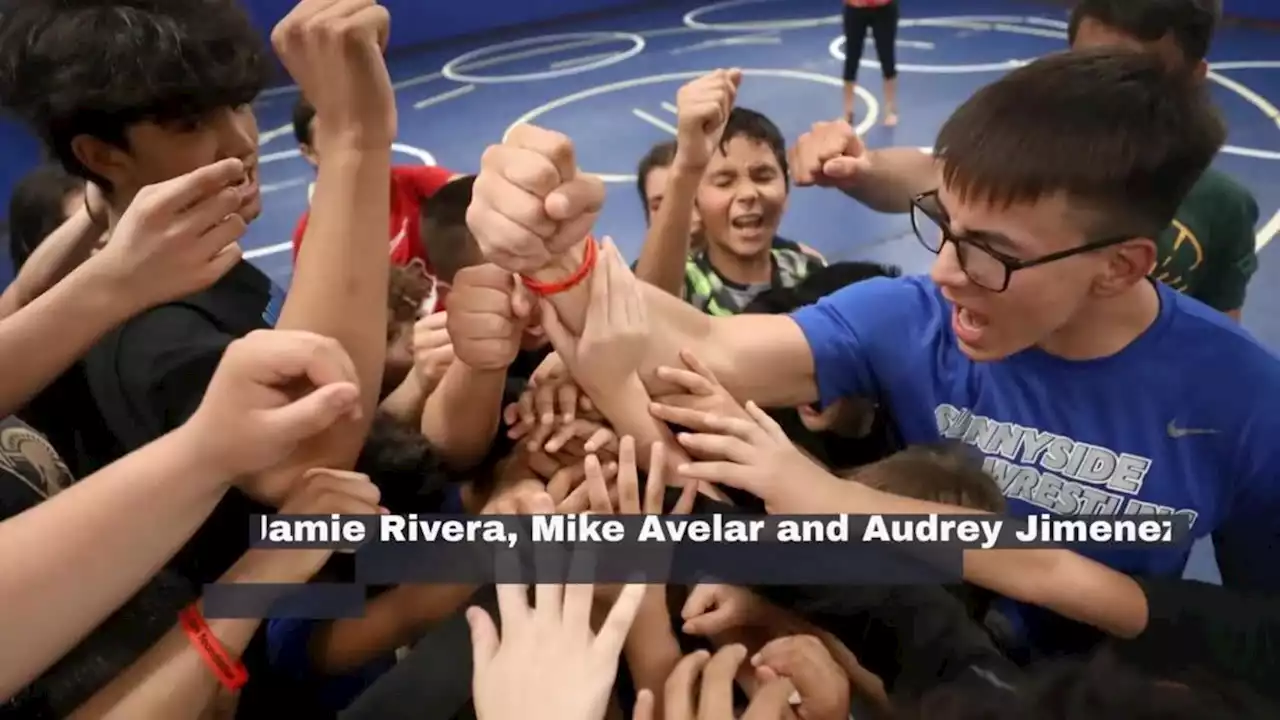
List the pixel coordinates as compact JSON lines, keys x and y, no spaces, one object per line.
{"x":315,"y":601}
{"x":749,"y":550}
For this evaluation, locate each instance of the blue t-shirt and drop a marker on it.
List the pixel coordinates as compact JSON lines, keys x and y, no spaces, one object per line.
{"x":1183,"y":420}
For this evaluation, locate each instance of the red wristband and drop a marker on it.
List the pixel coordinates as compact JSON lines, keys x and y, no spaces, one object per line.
{"x":588,"y":262}
{"x":229,"y":670}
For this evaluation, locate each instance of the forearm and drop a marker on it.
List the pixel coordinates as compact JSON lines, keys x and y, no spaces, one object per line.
{"x":896,"y":175}
{"x":60,"y":253}
{"x":340,"y":284}
{"x":778,"y":370}
{"x":1056,"y":579}
{"x":41,"y":340}
{"x":1065,"y":582}
{"x":626,"y":407}
{"x":666,"y":245}
{"x":462,"y":416}
{"x":172,"y":679}
{"x":407,"y":401}
{"x":96,"y":550}
{"x":392,"y":620}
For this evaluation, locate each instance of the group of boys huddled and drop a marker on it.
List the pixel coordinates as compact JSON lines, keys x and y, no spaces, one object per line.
{"x":1075,"y":349}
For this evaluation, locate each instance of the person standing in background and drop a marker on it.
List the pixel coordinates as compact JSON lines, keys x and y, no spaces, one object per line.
{"x":881,"y":17}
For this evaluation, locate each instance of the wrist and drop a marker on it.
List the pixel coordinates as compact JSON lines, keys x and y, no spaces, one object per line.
{"x":271,"y":567}
{"x":564,"y":265}
{"x":189,"y":445}
{"x":685,"y":168}
{"x":358,"y":141}
{"x":107,"y":290}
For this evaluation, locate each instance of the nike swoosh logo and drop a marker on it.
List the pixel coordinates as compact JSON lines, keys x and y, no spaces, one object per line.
{"x":1177,"y":432}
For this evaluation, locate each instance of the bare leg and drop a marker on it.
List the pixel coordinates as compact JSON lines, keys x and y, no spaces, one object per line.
{"x":891,"y":102}
{"x":848,"y":101}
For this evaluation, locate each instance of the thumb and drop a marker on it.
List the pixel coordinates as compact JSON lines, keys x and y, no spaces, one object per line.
{"x":580,"y":196}
{"x":484,"y":637}
{"x":522,"y":301}
{"x":561,"y":339}
{"x":313,"y":413}
{"x":735,"y":77}
{"x":845,"y":167}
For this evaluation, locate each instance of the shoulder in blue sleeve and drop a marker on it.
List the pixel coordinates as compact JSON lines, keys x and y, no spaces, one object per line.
{"x":859,"y":332}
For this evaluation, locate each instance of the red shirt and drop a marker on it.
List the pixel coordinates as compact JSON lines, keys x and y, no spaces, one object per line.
{"x":410,"y":184}
{"x":867,"y":3}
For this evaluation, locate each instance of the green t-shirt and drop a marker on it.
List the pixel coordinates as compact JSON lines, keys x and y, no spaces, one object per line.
{"x":705,"y":289}
{"x":1208,"y":252}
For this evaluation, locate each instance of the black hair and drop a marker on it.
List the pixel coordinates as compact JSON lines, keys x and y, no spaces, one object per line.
{"x":752,"y":125}
{"x":303,"y":114}
{"x":659,"y":156}
{"x":36,"y":208}
{"x":1192,"y":23}
{"x":819,"y":284}
{"x":88,"y":67}
{"x":404,"y":466}
{"x":1112,"y":131}
{"x":445,"y":235}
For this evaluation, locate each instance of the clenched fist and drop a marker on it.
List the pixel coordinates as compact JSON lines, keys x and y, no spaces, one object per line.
{"x":488,"y":312}
{"x":530,"y":202}
{"x":333,"y":50}
{"x":702,"y":109}
{"x":830,"y":155}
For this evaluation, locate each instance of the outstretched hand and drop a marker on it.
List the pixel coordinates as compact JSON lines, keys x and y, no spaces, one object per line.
{"x":754,"y":455}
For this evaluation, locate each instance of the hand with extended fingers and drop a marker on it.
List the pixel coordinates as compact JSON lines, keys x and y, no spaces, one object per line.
{"x":820,"y":682}
{"x":685,"y":698}
{"x":548,"y":664}
{"x":615,"y":332}
{"x":702,"y":391}
{"x":625,"y":498}
{"x":754,"y":455}
{"x":556,"y":409}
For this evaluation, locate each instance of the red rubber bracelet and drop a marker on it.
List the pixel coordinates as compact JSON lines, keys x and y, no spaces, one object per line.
{"x":229,"y":670}
{"x":588,"y":262}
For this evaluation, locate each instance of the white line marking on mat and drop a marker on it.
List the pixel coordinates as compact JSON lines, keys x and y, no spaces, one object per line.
{"x":1268,"y":231}
{"x":654,"y":121}
{"x":447,"y":95}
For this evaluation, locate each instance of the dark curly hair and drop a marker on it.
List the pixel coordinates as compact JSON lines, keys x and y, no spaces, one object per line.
{"x":89,"y":67}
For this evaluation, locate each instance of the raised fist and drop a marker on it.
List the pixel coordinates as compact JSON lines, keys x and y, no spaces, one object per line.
{"x":530,"y":202}
{"x":702,"y":109}
{"x":488,"y":312}
{"x":830,"y":155}
{"x":333,"y":50}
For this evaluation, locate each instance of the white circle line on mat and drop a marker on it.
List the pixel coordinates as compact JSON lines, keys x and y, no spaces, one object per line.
{"x":459,"y":68}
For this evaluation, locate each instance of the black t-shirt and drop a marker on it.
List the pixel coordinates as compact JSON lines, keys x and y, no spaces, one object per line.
{"x":65,"y":414}
{"x":150,"y":374}
{"x":30,"y":472}
{"x":146,"y":378}
{"x":836,"y":451}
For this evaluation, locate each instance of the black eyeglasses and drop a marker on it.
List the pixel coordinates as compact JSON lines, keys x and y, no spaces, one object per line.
{"x":985,"y":266}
